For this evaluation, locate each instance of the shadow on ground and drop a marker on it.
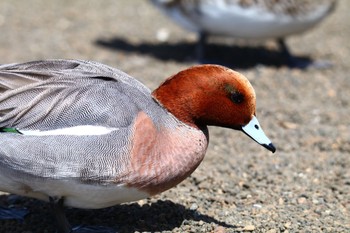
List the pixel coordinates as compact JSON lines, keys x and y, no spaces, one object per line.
{"x":229,"y":55}
{"x":123,"y":218}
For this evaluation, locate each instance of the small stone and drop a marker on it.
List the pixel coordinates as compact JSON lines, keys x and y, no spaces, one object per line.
{"x":220,"y":229}
{"x":302,"y":200}
{"x":194,"y":206}
{"x":162,"y":34}
{"x":280,"y":201}
{"x":271,"y":231}
{"x":327,"y":212}
{"x":288,"y":225}
{"x":289,"y":125}
{"x":258,"y":206}
{"x":249,"y":228}
{"x":141,"y":202}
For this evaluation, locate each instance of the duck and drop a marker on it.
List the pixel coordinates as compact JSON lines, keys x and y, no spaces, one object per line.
{"x":247,"y":19}
{"x":85,"y":135}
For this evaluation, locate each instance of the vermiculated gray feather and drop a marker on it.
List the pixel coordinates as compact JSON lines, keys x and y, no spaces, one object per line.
{"x":65,"y":93}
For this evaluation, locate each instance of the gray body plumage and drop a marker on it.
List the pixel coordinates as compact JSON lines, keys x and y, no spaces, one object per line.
{"x":58,"y":94}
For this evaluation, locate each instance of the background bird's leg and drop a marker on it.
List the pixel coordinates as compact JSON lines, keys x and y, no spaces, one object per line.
{"x":285,"y":51}
{"x":200,"y":49}
{"x":301,"y":63}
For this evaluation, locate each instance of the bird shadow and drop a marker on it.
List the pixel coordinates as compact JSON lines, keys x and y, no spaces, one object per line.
{"x":154,"y":217}
{"x":234,"y":56}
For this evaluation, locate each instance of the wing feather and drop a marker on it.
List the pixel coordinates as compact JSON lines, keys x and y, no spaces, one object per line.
{"x":56,"y":94}
{"x":63,"y":93}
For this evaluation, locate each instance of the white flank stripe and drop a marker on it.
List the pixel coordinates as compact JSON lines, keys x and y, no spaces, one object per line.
{"x":81,"y":130}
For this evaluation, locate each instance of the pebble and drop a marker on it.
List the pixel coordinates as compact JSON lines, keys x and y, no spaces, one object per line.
{"x":249,"y":228}
{"x":271,"y":231}
{"x":163,"y":34}
{"x":219,"y":229}
{"x":194,"y":206}
{"x":288,"y":225}
{"x":258,"y":206}
{"x":302,"y":200}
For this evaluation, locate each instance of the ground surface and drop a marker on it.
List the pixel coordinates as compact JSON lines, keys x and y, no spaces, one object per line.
{"x":240,"y":186}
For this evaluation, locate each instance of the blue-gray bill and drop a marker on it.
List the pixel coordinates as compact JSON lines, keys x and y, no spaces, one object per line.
{"x":254,"y":131}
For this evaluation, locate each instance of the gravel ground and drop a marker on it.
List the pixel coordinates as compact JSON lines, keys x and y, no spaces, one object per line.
{"x":240,"y":186}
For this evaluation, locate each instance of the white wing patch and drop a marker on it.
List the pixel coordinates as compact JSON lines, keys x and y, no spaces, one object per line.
{"x":80,"y":130}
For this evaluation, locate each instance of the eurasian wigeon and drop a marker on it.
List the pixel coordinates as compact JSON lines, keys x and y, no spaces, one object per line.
{"x":247,"y":19}
{"x":85,"y":135}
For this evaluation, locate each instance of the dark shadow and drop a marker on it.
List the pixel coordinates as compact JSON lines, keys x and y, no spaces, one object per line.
{"x":229,"y":55}
{"x":158,"y":216}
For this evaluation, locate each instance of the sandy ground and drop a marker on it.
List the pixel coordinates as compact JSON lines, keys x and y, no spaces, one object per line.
{"x":240,"y":186}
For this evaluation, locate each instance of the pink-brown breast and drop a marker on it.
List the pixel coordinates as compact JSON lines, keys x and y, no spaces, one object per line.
{"x":163,"y":156}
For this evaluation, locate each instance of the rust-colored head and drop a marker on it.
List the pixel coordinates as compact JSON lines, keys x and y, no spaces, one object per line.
{"x":210,"y":95}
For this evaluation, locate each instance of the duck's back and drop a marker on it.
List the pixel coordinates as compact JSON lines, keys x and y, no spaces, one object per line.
{"x":48,"y":94}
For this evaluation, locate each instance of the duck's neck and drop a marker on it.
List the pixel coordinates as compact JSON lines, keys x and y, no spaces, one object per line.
{"x":180,"y":95}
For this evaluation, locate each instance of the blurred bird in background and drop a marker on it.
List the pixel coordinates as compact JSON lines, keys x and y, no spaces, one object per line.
{"x":248,"y":19}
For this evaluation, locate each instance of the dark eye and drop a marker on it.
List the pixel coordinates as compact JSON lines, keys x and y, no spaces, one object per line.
{"x":237,"y":97}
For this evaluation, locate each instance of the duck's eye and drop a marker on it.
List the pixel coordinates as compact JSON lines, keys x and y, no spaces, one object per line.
{"x":237,"y":97}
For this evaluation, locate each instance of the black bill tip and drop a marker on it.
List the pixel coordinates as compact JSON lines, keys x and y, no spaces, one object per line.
{"x":270,"y":147}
